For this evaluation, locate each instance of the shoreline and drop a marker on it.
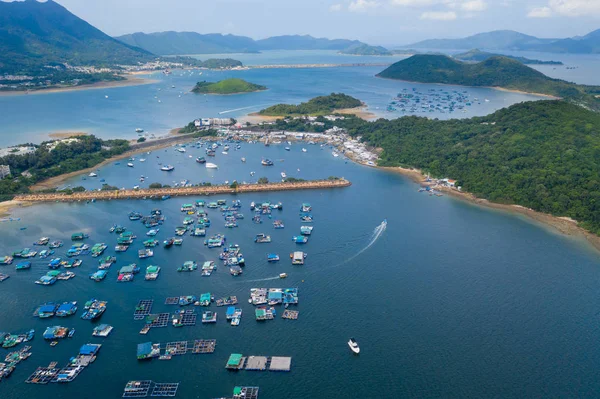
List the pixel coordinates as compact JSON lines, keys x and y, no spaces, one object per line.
{"x":359,"y":112}
{"x":158,"y":144}
{"x":560,"y":224}
{"x":130,"y":80}
{"x":547,"y":96}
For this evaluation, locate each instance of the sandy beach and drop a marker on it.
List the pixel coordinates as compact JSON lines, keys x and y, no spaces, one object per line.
{"x":66,"y":135}
{"x":130,"y":80}
{"x":360,"y":112}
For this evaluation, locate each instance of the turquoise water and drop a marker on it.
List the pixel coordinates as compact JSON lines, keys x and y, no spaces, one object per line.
{"x":30,"y":118}
{"x":450,"y":300}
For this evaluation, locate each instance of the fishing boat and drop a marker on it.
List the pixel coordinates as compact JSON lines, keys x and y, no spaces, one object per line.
{"x":93,"y":309}
{"x":297,"y":257}
{"x":188,"y":266}
{"x":42,"y":241}
{"x":54,"y":263}
{"x":6,"y":260}
{"x":306,"y":207}
{"x":152,"y":273}
{"x":272,"y":258}
{"x":168,"y":242}
{"x":23,"y":265}
{"x":167,"y":168}
{"x":354,"y":346}
{"x":55,"y":244}
{"x":282,"y":275}
{"x":278,"y":224}
{"x":262,"y":238}
{"x":106,"y":262}
{"x":210,"y":165}
{"x":56,"y":332}
{"x":103,"y":330}
{"x":300,"y":239}
{"x":201,"y":160}
{"x":44,"y":253}
{"x":145,"y":253}
{"x":152,"y":232}
{"x":306,"y":230}
{"x":99,"y":275}
{"x":66,"y":309}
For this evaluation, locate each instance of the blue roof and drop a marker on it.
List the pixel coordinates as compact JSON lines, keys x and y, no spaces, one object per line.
{"x":47,"y":309}
{"x":144,"y":349}
{"x":66,"y":306}
{"x":230,"y":310}
{"x":275,"y":295}
{"x":89,"y":349}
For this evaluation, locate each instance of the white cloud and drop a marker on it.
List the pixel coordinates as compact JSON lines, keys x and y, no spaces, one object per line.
{"x":474,"y":5}
{"x":439,"y":15}
{"x":416,"y":3}
{"x":574,"y":8}
{"x":540,"y":12}
{"x":335,"y":7}
{"x":362,"y":5}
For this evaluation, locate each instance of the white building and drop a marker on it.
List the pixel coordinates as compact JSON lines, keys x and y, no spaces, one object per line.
{"x":4,"y":171}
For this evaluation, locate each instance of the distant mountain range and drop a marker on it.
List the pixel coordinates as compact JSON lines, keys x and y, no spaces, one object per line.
{"x":34,"y":34}
{"x":477,"y":55}
{"x":178,"y":43}
{"x":511,"y":40}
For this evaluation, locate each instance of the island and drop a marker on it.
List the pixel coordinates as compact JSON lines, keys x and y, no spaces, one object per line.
{"x":497,"y":72}
{"x":317,"y":106}
{"x":227,"y":86}
{"x":365,"y":49}
{"x":477,"y":55}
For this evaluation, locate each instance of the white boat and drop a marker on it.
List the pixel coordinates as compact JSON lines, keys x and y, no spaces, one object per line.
{"x":224,"y":152}
{"x":211,"y":165}
{"x":167,"y":168}
{"x":130,"y":164}
{"x":282,"y":275}
{"x":304,"y":150}
{"x":92,"y":174}
{"x":243,"y":159}
{"x":335,"y":154}
{"x":142,"y":159}
{"x":353,"y":346}
{"x":181,"y":149}
{"x":139,"y":130}
{"x":283,"y":175}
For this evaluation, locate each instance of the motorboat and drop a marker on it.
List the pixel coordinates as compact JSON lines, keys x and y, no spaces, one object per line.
{"x":167,"y":168}
{"x":353,"y":346}
{"x":130,"y":164}
{"x":210,"y":165}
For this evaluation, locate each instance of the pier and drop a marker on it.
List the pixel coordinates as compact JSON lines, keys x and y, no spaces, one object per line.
{"x":159,"y":193}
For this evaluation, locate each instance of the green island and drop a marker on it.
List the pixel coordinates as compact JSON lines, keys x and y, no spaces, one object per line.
{"x":541,"y":155}
{"x":365,"y":49}
{"x":53,"y":158}
{"x":227,"y":86}
{"x":477,"y":55}
{"x":498,"y":72}
{"x":317,"y":106}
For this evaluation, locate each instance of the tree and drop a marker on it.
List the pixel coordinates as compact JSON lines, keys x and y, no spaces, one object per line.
{"x":141,"y":139}
{"x":155,"y":185}
{"x":263,"y":180}
{"x":234,"y":185}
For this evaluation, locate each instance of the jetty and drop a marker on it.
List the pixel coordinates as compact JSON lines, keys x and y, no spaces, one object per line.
{"x":159,"y":193}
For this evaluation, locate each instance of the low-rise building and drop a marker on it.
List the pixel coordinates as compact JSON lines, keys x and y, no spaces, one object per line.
{"x":4,"y":171}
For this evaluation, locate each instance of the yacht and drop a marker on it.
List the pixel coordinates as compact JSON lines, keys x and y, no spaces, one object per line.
{"x":130,"y":164}
{"x":283,"y":175}
{"x":353,"y":346}
{"x":211,"y":166}
{"x":139,"y":130}
{"x":181,"y":149}
{"x":167,"y":168}
{"x":93,"y":174}
{"x":304,"y":150}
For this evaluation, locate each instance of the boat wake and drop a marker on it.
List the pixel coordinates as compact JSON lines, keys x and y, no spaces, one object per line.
{"x":260,"y":279}
{"x":241,"y":109}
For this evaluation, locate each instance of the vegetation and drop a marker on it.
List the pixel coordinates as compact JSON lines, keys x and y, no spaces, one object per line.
{"x":293,"y":180}
{"x":263,"y":180}
{"x":227,"y":86}
{"x":317,"y":106}
{"x":477,"y":55}
{"x":365,"y":49}
{"x":45,"y":162}
{"x":211,"y":63}
{"x":493,"y":72}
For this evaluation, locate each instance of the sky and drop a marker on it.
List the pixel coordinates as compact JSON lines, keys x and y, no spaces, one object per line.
{"x":382,"y":22}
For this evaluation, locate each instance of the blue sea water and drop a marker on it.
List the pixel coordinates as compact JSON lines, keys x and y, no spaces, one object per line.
{"x":450,"y":300}
{"x":160,"y":107}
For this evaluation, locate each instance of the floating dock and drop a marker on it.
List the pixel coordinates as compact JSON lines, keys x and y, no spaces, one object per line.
{"x":43,"y":375}
{"x":180,"y":191}
{"x":172,"y":300}
{"x":243,"y":393}
{"x":149,"y":350}
{"x":157,"y":320}
{"x":141,"y":389}
{"x":290,"y":314}
{"x":237,"y":361}
{"x":143,"y":309}
{"x":202,"y":346}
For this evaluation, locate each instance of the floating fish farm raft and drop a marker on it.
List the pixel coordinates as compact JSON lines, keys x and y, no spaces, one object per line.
{"x":149,"y":350}
{"x":290,"y":314}
{"x":243,"y":393}
{"x":44,"y":375}
{"x":142,"y":389}
{"x":238,"y":361}
{"x":143,"y":309}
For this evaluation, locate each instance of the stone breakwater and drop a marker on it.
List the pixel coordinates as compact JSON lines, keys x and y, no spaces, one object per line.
{"x":181,"y":191}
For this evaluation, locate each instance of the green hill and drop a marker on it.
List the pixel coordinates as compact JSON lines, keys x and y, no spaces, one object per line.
{"x":499,"y":72}
{"x":227,"y":86}
{"x":35,"y":34}
{"x":365,"y":49}
{"x":477,"y":55}
{"x":316,"y":106}
{"x":539,"y":154}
